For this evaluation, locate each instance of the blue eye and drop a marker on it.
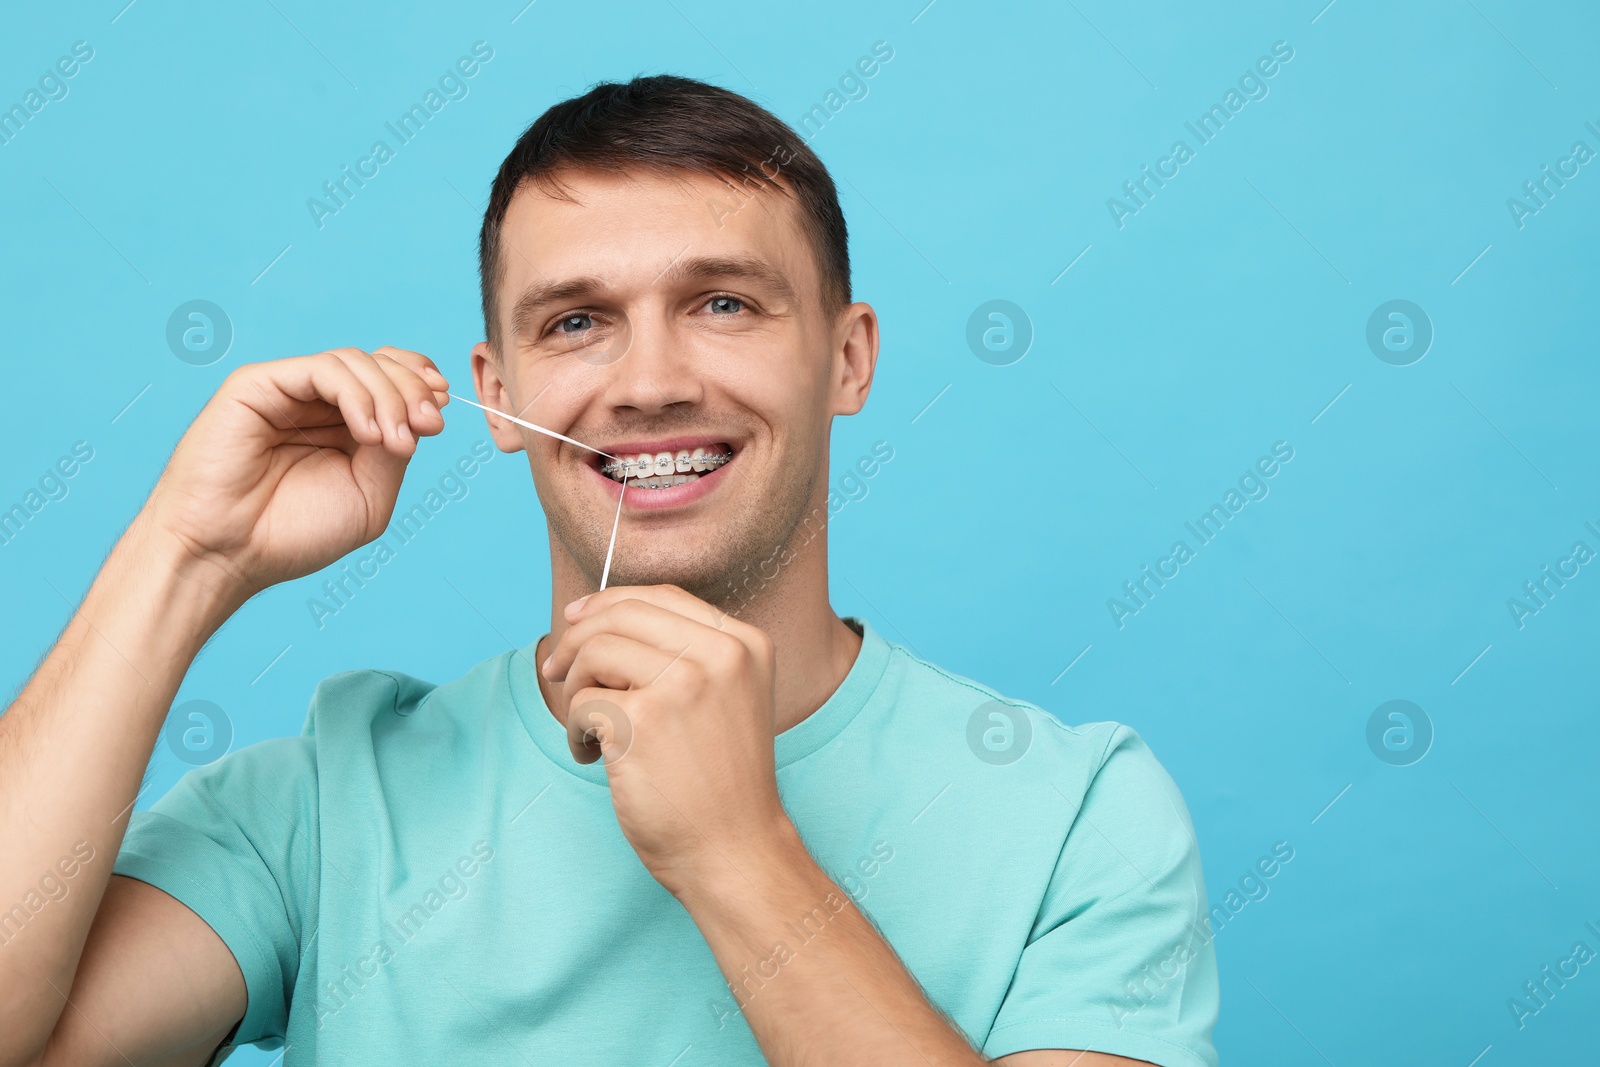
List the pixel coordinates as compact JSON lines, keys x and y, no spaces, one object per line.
{"x":581,"y":318}
{"x":719,"y":304}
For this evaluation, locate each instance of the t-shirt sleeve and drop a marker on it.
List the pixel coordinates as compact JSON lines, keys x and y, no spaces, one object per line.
{"x":236,"y":841}
{"x":1120,"y":958}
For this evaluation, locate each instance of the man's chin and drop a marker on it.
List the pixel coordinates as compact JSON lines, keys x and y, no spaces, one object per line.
{"x":705,"y":579}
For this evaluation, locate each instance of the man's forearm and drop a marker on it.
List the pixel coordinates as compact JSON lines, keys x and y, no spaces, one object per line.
{"x":73,"y":750}
{"x":815,"y":981}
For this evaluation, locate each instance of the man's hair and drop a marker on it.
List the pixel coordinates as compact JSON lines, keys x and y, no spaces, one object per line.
{"x":665,"y":124}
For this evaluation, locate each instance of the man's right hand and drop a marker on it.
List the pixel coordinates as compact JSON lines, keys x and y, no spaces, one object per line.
{"x":295,"y":462}
{"x":292,"y":464}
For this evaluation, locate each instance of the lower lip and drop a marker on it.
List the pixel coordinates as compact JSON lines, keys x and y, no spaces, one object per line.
{"x":664,"y":499}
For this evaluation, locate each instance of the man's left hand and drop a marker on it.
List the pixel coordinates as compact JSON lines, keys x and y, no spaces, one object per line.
{"x":677,"y":697}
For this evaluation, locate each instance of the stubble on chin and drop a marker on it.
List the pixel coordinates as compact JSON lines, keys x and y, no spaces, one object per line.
{"x":712,"y":567}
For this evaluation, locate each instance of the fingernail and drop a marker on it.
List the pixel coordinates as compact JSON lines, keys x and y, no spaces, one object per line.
{"x":404,"y":432}
{"x":429,"y":409}
{"x":544,"y":668}
{"x":577,"y":605}
{"x":372,"y":424}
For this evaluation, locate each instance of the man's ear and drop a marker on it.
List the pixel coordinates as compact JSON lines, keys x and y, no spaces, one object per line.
{"x":855,"y":357}
{"x":492,"y":392}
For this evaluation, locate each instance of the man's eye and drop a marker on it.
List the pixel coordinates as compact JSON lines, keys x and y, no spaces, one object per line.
{"x":726,"y":305}
{"x":574,"y":323}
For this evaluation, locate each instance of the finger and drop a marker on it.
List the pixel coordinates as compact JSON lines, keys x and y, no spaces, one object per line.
{"x":425,"y":367}
{"x":611,"y":661}
{"x":290,"y":393}
{"x":336,"y":436}
{"x":393,"y":412}
{"x":599,"y":725}
{"x":597,"y":693}
{"x":639,"y":620}
{"x":670,"y":597}
{"x":422,"y":409}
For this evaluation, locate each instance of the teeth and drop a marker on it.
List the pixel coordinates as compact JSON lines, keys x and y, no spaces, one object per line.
{"x":657,"y":482}
{"x":661,"y":470}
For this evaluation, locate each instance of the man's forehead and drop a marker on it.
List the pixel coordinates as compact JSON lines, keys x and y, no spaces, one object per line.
{"x":616,"y":225}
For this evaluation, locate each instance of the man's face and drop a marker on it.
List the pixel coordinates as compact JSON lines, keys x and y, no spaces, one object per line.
{"x":654,"y":316}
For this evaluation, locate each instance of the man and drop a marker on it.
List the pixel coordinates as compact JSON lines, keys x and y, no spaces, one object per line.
{"x":703,"y":820}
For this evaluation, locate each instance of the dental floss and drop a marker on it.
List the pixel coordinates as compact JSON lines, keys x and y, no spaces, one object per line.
{"x":532,"y":426}
{"x":606,"y":570}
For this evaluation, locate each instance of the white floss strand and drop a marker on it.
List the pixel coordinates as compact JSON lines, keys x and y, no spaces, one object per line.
{"x":534,"y":427}
{"x":606,"y":570}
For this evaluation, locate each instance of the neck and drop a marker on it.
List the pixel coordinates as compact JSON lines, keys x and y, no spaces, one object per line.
{"x":814,"y":648}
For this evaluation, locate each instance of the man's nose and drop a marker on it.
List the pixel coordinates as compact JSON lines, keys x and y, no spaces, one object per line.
{"x":655,"y":368}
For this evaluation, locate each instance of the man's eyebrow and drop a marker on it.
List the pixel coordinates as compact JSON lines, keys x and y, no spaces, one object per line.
{"x":537,"y":297}
{"x":751,"y":268}
{"x":698,"y":268}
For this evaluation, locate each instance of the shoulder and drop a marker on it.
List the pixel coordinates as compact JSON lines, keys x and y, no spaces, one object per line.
{"x":1100,"y":760}
{"x":354,"y":718}
{"x":364,"y":698}
{"x":953,"y":698}
{"x":387,"y":705}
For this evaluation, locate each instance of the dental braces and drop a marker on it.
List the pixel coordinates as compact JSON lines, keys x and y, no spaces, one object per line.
{"x":646,"y":469}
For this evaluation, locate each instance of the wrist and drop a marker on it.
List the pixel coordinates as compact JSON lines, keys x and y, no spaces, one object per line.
{"x":758,"y":867}
{"x":186,"y":597}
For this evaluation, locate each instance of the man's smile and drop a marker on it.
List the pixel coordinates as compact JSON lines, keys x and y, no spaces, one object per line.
{"x":668,"y":472}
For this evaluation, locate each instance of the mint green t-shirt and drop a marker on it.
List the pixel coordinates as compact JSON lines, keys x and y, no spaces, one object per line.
{"x":425,"y":875}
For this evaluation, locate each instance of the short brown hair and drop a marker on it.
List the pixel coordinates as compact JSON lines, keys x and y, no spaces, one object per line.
{"x":666,"y":123}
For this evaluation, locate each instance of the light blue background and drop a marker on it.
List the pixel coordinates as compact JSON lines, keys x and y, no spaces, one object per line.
{"x":1225,"y":316}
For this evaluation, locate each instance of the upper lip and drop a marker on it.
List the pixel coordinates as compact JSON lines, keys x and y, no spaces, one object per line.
{"x":664,"y":444}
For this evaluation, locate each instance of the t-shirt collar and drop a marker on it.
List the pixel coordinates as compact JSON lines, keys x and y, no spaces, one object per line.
{"x":795,"y":743}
